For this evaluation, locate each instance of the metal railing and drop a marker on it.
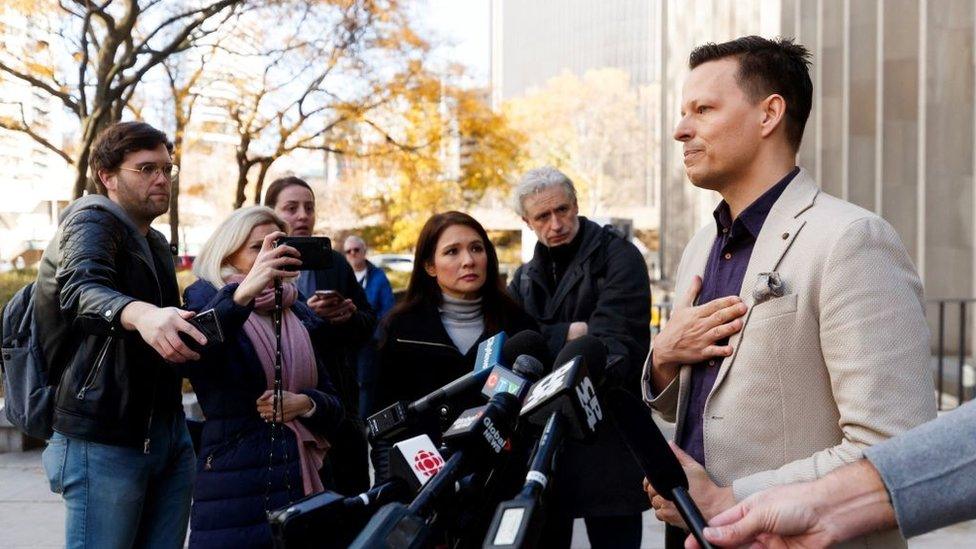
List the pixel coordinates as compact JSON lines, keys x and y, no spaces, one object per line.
{"x":944,"y":386}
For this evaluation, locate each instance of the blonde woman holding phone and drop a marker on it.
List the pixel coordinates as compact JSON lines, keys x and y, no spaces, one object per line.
{"x":235,"y":485}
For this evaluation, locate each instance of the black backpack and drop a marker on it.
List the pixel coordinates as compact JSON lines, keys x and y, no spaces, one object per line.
{"x":29,"y":398}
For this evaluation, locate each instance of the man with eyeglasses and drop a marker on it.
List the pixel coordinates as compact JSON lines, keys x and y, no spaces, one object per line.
{"x":379,"y":293}
{"x":106,"y":306}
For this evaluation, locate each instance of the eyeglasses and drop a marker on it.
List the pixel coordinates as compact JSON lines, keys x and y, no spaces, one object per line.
{"x":353,"y":251}
{"x":150,"y":172}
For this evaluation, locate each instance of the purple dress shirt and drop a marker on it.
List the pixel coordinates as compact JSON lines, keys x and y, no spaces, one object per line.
{"x":726,"y":267}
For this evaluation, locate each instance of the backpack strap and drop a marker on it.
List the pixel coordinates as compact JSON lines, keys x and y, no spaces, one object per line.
{"x":21,"y":328}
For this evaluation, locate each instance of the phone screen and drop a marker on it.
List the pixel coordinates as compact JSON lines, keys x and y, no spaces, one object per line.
{"x":330,"y":295}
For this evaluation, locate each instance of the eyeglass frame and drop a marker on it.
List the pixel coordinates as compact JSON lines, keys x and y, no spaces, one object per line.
{"x":354,"y":251}
{"x":156,"y":171}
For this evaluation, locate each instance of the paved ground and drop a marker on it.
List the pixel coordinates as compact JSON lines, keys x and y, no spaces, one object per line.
{"x":32,"y":517}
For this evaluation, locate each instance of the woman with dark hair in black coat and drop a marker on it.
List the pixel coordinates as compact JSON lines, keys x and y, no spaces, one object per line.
{"x":455,"y":301}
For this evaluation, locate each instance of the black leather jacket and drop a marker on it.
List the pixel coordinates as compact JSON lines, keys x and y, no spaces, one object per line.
{"x":111,"y":382}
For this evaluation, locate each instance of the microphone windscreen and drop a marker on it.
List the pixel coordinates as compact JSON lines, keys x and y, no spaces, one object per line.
{"x":645,"y":441}
{"x":527,"y":342}
{"x":592,"y":350}
{"x":508,"y":406}
{"x":528,"y":367}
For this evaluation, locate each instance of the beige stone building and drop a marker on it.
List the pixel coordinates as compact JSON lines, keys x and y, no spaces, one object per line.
{"x":893,"y":127}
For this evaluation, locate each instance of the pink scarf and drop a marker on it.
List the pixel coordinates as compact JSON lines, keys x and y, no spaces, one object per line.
{"x":298,"y":371}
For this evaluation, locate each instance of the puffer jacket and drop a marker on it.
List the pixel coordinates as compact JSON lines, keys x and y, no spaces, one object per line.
{"x":111,"y":381}
{"x":233,"y":477}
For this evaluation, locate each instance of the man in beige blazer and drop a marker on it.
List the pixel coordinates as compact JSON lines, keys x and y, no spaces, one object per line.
{"x":800,"y":338}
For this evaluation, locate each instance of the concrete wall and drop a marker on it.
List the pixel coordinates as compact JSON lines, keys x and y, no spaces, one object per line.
{"x":892,"y":128}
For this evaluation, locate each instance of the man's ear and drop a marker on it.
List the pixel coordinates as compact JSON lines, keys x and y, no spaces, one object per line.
{"x":773,"y":113}
{"x":108,"y":179}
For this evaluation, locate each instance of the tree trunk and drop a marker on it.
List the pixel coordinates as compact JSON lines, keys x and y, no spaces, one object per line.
{"x":239,"y":198}
{"x":81,"y":173}
{"x":259,"y":185}
{"x":243,"y":166}
{"x":91,"y":126}
{"x":174,"y":194}
{"x":174,"y":215}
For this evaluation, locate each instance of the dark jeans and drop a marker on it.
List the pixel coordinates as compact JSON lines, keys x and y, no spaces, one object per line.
{"x":615,"y":532}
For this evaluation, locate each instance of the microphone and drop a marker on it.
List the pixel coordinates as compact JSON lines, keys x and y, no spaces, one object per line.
{"x":517,"y":381}
{"x":593,"y":351}
{"x":529,"y":367}
{"x":490,"y":352}
{"x":483,"y":431}
{"x":479,"y":434}
{"x":488,"y":356}
{"x":415,"y":461}
{"x":527,"y":342}
{"x":518,"y":521}
{"x":398,"y":417}
{"x":565,"y":402}
{"x":525,"y":351}
{"x":661,"y":467}
{"x":570,"y":389}
{"x":329,"y":519}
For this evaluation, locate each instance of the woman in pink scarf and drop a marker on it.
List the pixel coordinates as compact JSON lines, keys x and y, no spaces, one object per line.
{"x":233,"y":381}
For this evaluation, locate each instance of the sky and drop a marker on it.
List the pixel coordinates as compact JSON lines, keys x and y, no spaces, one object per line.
{"x":463,"y":29}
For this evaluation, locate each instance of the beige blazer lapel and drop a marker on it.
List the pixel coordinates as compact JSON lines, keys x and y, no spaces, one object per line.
{"x":777,"y":235}
{"x":693,"y":263}
{"x":697,"y":261}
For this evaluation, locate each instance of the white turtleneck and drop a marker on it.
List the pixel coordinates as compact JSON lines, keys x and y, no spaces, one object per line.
{"x":464,"y":321}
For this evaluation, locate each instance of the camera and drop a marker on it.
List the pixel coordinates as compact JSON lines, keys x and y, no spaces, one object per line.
{"x":314,"y":251}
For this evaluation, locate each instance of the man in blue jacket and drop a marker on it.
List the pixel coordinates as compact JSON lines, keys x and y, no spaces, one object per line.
{"x":379,"y":293}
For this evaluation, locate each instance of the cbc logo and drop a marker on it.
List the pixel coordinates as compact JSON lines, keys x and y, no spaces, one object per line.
{"x":428,"y":463}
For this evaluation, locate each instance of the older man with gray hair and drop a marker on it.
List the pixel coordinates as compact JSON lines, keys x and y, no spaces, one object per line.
{"x":587,"y":279}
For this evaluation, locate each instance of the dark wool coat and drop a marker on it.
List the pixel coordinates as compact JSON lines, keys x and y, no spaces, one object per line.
{"x":606,"y":285}
{"x":346,"y":468}
{"x":416,"y":357}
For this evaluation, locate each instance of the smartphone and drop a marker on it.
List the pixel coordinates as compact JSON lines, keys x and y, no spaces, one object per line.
{"x":329,"y":295}
{"x":314,"y":251}
{"x":209,"y":325}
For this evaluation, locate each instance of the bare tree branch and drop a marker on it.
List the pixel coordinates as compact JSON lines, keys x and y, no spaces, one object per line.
{"x":38,"y":83}
{"x":175,"y":43}
{"x":200,"y":15}
{"x":23,"y":127}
